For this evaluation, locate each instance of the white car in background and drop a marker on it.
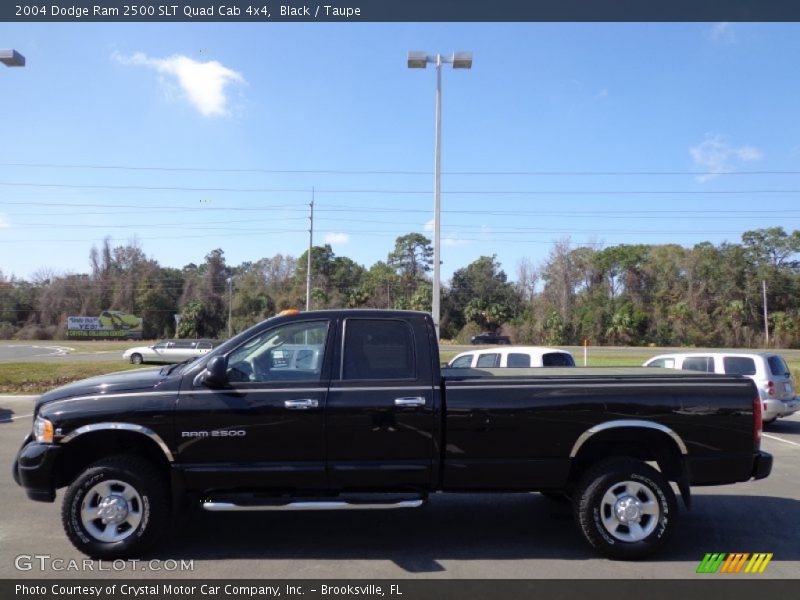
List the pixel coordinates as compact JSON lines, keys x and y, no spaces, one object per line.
{"x":767,"y":369}
{"x":168,"y":351}
{"x":513,"y":356}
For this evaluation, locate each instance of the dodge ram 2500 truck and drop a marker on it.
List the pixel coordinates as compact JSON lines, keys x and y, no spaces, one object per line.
{"x":351,"y":409}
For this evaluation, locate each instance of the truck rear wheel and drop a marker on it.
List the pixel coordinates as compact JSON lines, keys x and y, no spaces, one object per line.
{"x":116,"y":508}
{"x":625,"y":508}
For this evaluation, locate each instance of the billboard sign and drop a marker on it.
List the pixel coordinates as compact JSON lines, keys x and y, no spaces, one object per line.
{"x":110,"y":324}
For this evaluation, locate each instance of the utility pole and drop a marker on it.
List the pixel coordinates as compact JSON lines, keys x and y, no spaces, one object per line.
{"x":230,"y":304}
{"x":766,"y":317}
{"x":310,"y":248}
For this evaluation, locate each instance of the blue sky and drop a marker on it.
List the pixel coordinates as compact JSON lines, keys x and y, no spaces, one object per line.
{"x":692,"y":99}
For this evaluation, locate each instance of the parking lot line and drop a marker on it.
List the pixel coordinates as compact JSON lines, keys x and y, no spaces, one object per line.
{"x":19,"y":417}
{"x":780,"y":439}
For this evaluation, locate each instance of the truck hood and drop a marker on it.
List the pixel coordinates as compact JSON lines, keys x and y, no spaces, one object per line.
{"x":140,"y":380}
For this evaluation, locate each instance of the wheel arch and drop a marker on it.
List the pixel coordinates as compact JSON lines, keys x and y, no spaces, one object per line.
{"x":642,"y":440}
{"x":85,"y":445}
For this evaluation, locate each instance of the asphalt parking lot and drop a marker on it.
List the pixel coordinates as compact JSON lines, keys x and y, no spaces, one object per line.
{"x":453,"y":536}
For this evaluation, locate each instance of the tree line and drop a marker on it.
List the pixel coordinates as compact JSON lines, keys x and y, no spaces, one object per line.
{"x":665,"y":295}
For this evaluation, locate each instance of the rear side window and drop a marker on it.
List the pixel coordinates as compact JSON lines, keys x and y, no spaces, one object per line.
{"x":663,"y":363}
{"x":462,"y":362}
{"x":488,"y":361}
{"x":378,"y":349}
{"x":739,"y":365}
{"x":699,"y":363}
{"x":777,"y":366}
{"x":557,"y":359}
{"x":516,"y":359}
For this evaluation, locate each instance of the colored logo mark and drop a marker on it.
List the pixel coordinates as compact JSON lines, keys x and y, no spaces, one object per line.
{"x":737,"y":562}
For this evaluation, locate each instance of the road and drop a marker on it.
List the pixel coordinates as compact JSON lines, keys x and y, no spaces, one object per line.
{"x":11,"y":352}
{"x":453,"y":536}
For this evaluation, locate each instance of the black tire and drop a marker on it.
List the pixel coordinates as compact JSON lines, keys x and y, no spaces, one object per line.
{"x":136,"y":359}
{"x":621,"y":477}
{"x":151,"y":506}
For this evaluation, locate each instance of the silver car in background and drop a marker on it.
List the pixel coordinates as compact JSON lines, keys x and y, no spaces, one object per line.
{"x":168,"y":351}
{"x":768,"y":370}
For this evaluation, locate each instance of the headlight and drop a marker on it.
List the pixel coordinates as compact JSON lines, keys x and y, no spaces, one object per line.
{"x":43,"y":430}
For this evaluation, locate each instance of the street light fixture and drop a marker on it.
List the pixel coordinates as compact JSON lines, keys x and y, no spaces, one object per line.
{"x":12,"y":58}
{"x":420,"y":60}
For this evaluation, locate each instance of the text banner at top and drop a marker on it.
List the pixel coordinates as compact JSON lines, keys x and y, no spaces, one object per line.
{"x":399,"y":10}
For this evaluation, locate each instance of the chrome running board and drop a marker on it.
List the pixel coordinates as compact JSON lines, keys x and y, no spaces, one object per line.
{"x":323,"y":505}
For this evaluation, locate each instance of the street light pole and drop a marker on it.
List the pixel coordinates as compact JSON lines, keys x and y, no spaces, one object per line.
{"x":419,"y":60}
{"x":437,"y":203}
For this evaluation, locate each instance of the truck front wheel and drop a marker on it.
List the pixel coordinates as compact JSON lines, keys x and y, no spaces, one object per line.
{"x":625,"y":508}
{"x":116,"y":508}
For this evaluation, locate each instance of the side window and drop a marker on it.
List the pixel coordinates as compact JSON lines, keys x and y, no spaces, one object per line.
{"x":488,"y":361}
{"x":204,"y":345}
{"x":557,"y":359}
{"x":292,"y":352}
{"x":699,"y":363}
{"x":739,"y":365}
{"x":663,"y":363}
{"x":516,"y":359}
{"x":462,"y":362}
{"x":378,"y":349}
{"x":160,"y":346}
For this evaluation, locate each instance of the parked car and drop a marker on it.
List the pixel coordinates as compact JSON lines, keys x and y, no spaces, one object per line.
{"x":489,"y":338}
{"x":513,"y":356}
{"x":373,"y":422}
{"x":168,"y":351}
{"x":767,"y":369}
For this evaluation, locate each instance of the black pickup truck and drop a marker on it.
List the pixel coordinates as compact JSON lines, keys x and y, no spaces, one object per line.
{"x":351,"y":409}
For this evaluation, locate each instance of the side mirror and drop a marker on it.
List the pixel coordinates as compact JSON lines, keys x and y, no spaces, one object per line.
{"x":216,"y":373}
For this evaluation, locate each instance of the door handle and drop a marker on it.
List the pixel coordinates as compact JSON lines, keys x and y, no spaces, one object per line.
{"x":301,"y":404}
{"x":415,"y":401}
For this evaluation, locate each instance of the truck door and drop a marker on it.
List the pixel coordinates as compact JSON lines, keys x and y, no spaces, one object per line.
{"x":381,"y":405}
{"x":265,"y":428}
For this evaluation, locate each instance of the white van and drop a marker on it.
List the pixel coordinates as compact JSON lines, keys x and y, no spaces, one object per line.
{"x":513,"y":356}
{"x":769,"y":371}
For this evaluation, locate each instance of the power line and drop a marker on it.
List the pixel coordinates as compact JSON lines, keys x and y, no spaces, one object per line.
{"x":396,"y":191}
{"x":557,"y":173}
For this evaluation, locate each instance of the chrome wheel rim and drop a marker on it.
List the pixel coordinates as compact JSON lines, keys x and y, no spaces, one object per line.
{"x":111,"y":510}
{"x":629,"y":511}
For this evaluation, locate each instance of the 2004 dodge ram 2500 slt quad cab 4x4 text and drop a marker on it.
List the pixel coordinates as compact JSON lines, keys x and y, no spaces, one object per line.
{"x":351,"y":409}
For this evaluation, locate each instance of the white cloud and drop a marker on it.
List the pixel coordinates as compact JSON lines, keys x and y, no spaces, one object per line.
{"x":716,"y":155}
{"x":202,"y":83}
{"x":601,"y":94}
{"x":429,"y":225}
{"x":722,"y":33}
{"x":4,"y":222}
{"x":452,"y":241}
{"x":336,"y":238}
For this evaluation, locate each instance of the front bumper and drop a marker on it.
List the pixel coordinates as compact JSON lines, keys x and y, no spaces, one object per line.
{"x":34,"y":469}
{"x":762,"y":465}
